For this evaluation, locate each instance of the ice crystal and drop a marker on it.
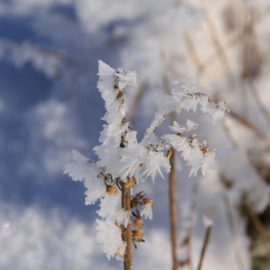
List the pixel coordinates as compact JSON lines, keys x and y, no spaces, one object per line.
{"x":122,"y":158}
{"x":109,"y":237}
{"x":147,"y":211}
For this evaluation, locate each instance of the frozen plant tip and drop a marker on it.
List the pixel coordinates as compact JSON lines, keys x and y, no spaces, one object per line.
{"x":123,"y":162}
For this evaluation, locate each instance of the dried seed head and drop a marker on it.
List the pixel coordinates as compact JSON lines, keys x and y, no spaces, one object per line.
{"x":131,"y":182}
{"x":111,"y":189}
{"x":138,"y":223}
{"x":137,"y":235}
{"x":147,"y":201}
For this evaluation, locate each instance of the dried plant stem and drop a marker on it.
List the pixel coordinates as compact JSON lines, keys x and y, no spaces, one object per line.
{"x":204,"y":247}
{"x":172,"y":195}
{"x":233,"y":41}
{"x":127,"y":232}
{"x":194,"y":54}
{"x":247,"y":123}
{"x":219,"y":47}
{"x":173,"y":210}
{"x":258,"y":225}
{"x":259,"y":101}
{"x":233,"y":229}
{"x":136,"y":102}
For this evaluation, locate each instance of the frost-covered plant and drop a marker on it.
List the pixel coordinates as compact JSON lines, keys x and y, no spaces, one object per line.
{"x":124,"y":162}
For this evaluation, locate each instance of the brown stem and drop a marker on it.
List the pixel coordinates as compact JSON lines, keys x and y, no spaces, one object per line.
{"x":205,"y":244}
{"x":136,"y":102}
{"x":232,"y":223}
{"x":172,"y":190}
{"x":127,"y":232}
{"x":259,"y":101}
{"x":173,"y":210}
{"x":247,"y":123}
{"x":258,"y":225}
{"x":219,"y":47}
{"x":230,"y":43}
{"x":193,"y":53}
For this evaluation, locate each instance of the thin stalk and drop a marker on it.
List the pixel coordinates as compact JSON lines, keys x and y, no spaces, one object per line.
{"x":192,"y":209}
{"x":127,"y":232}
{"x":136,"y":102}
{"x":247,"y":123}
{"x":173,"y":210}
{"x":232,"y":223}
{"x":259,"y":101}
{"x":194,"y":54}
{"x":204,"y":247}
{"x":231,"y":42}
{"x":259,"y":226}
{"x":216,"y":41}
{"x":172,"y":190}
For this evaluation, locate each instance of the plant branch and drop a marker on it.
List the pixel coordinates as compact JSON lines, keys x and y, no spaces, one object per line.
{"x":127,"y":232}
{"x":205,"y":245}
{"x":173,"y":210}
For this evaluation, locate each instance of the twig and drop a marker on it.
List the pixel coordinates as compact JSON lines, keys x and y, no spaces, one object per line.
{"x":172,"y":189}
{"x":260,"y":228}
{"x":205,"y":245}
{"x":173,"y":210}
{"x":258,"y":99}
{"x":232,"y":223}
{"x":194,"y":54}
{"x":219,"y":47}
{"x":136,"y":101}
{"x":192,"y":209}
{"x":234,"y":41}
{"x":127,"y":232}
{"x":248,"y":124}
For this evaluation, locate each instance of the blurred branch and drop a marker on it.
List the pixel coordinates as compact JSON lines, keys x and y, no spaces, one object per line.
{"x":172,"y":190}
{"x":235,"y":40}
{"x":193,"y":53}
{"x":258,"y":100}
{"x":247,"y":123}
{"x":221,"y":53}
{"x":227,"y":184}
{"x":47,"y":60}
{"x":205,"y":245}
{"x":260,"y":228}
{"x":136,"y":101}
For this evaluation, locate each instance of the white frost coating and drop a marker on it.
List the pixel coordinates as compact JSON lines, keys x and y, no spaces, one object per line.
{"x":81,"y":169}
{"x":191,"y":151}
{"x":147,"y":211}
{"x":122,"y":218}
{"x":110,"y":208}
{"x":109,"y":237}
{"x":185,"y":98}
{"x":109,"y":205}
{"x":207,"y":222}
{"x":190,"y":125}
{"x":43,"y":59}
{"x":122,"y":157}
{"x":155,"y":162}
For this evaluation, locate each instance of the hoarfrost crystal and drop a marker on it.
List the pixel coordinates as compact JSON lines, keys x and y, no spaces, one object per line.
{"x":122,"y":160}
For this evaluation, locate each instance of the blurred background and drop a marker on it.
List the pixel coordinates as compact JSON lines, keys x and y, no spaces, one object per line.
{"x":49,"y":105}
